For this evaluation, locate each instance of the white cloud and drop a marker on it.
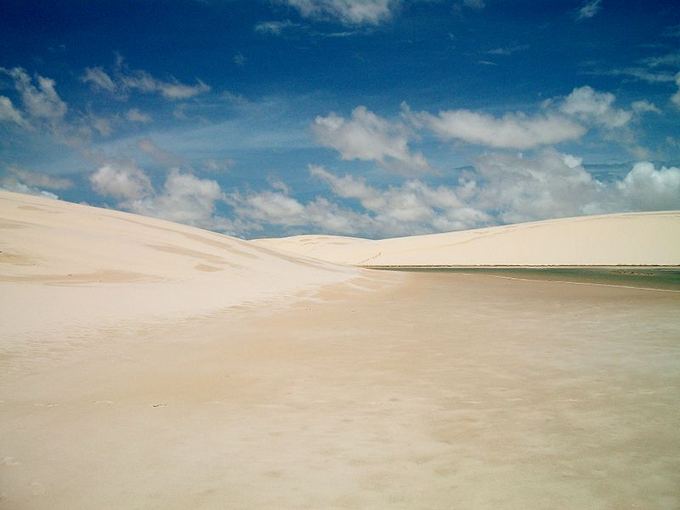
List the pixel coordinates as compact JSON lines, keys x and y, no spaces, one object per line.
{"x":645,"y":188}
{"x":512,"y":130}
{"x":33,"y":183}
{"x":411,"y":208}
{"x":101,"y":125}
{"x":368,"y":137}
{"x":668,"y":60}
{"x":134,"y":115}
{"x":173,"y":90}
{"x":10,"y":114}
{"x":184,"y":198}
{"x":553,"y":185}
{"x":589,"y":9}
{"x":675,"y":98}
{"x":508,"y":50}
{"x":639,"y":73}
{"x":474,"y":4}
{"x":217,"y":165}
{"x":501,"y":188}
{"x":38,"y":179}
{"x":121,"y":181}
{"x":19,"y":187}
{"x":644,"y":106}
{"x":98,"y":78}
{"x":41,"y":100}
{"x":122,"y":80}
{"x":348,"y":12}
{"x":523,"y":189}
{"x":562,"y":120}
{"x":158,"y":154}
{"x":594,"y":107}
{"x":279,"y":208}
{"x":274,"y":27}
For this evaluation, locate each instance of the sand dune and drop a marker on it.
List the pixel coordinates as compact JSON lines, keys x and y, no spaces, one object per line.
{"x":145,"y":364}
{"x":616,"y":239}
{"x":65,"y":266}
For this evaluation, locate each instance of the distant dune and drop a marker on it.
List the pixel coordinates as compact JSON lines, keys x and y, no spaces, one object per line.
{"x":81,"y":266}
{"x":617,"y":239}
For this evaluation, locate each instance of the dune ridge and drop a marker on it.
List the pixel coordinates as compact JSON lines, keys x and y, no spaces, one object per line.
{"x":649,"y":238}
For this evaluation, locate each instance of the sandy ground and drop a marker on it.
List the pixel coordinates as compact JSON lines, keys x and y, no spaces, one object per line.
{"x":432,"y":391}
{"x":651,"y":238}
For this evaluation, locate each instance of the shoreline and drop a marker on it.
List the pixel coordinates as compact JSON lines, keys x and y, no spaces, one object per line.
{"x":641,"y":277}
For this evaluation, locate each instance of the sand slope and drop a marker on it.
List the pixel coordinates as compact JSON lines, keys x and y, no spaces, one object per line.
{"x":616,"y":239}
{"x":70,"y":266}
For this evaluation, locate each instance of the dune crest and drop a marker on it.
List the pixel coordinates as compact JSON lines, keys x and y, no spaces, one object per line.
{"x":651,"y":238}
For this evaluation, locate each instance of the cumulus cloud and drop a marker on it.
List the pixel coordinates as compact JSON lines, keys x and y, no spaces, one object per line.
{"x":366,"y":136}
{"x":512,"y":130}
{"x":556,"y":185}
{"x":593,"y":107}
{"x":412,"y":207}
{"x":562,"y":119}
{"x":123,"y":80}
{"x":121,"y":181}
{"x":500,"y":188}
{"x":279,"y":208}
{"x":589,"y":9}
{"x":348,"y":12}
{"x":523,"y":189}
{"x":183,"y":197}
{"x":646,"y":189}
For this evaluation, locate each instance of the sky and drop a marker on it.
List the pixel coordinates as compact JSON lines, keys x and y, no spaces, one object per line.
{"x":372,"y":118}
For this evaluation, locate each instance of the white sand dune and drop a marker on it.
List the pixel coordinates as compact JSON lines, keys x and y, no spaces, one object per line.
{"x":145,"y":364}
{"x":616,"y":239}
{"x":65,"y":266}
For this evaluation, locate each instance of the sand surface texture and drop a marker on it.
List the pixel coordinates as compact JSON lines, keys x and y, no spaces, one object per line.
{"x":273,"y":382}
{"x":614,"y":239}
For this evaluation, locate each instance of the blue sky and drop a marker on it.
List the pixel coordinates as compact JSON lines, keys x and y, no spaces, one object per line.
{"x":374,"y":118}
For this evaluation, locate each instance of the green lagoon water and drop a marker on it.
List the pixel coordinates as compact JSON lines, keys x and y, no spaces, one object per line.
{"x":634,"y":276}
